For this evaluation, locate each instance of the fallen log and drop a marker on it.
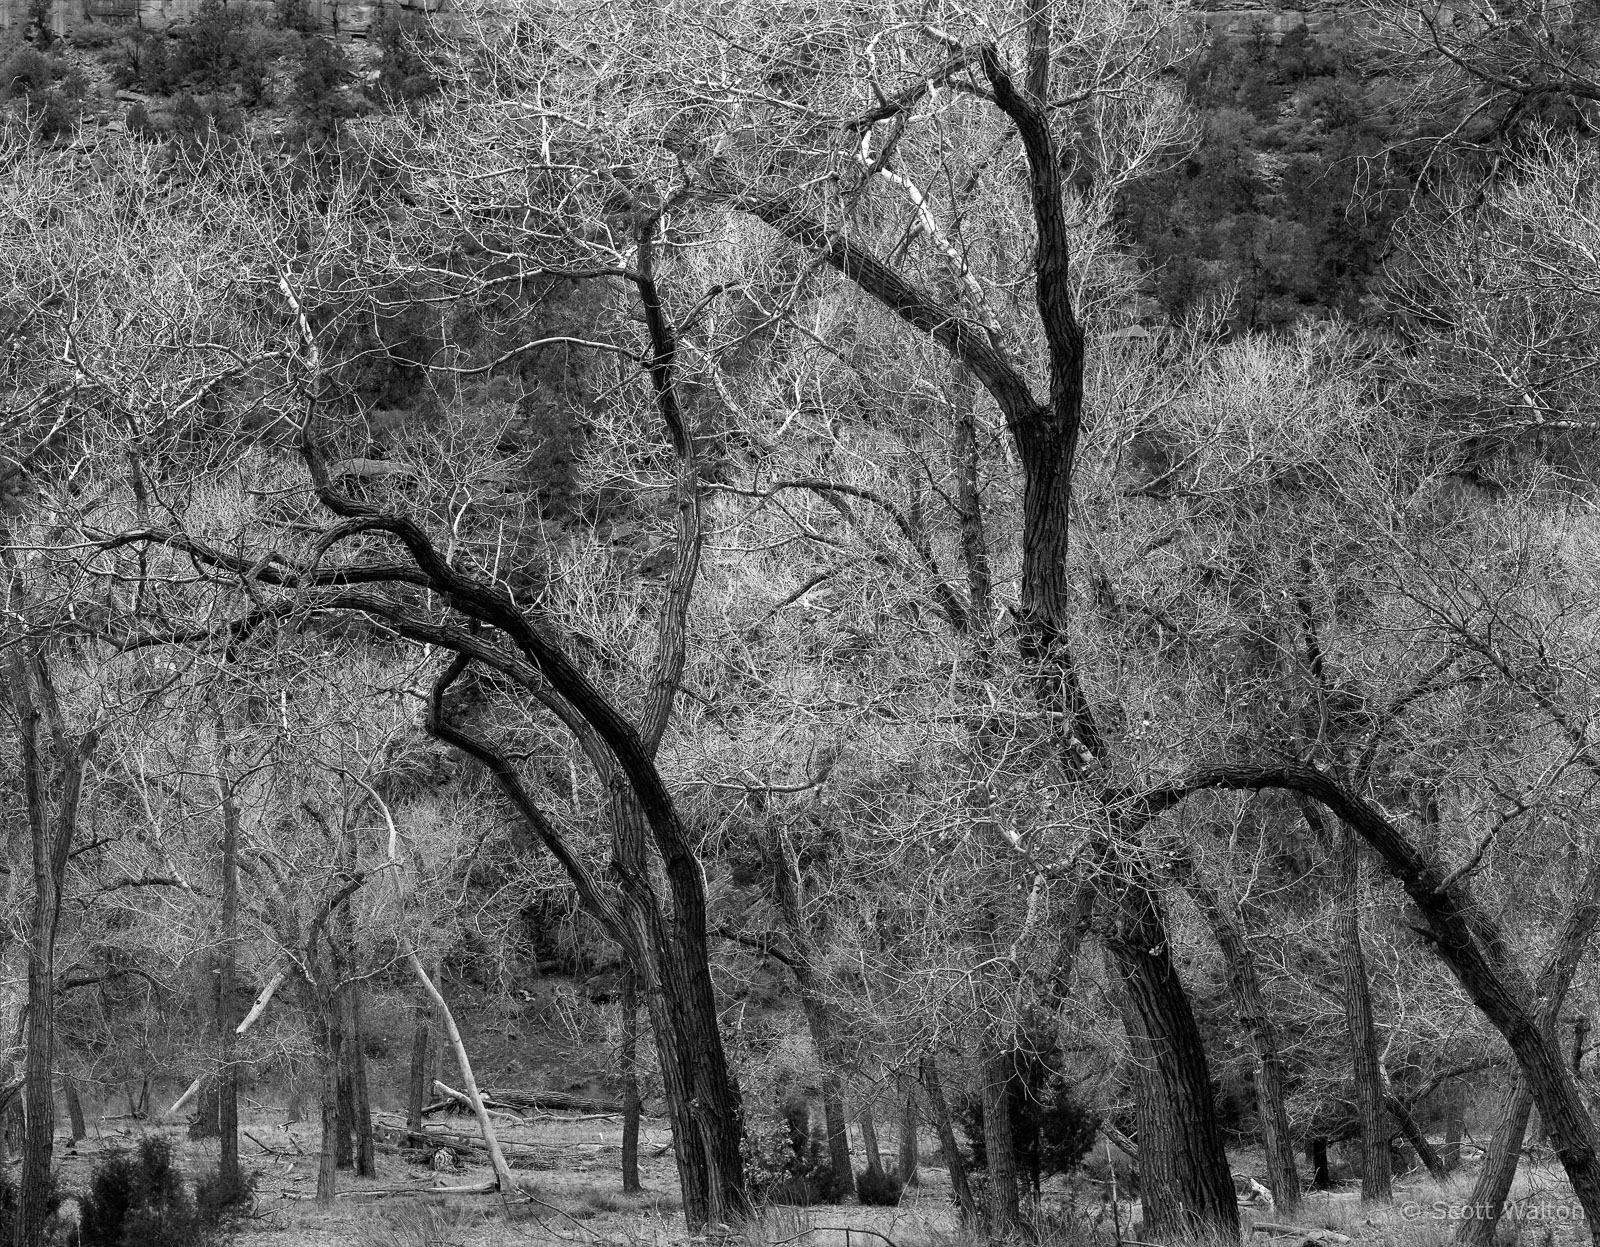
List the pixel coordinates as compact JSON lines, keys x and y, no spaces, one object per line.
{"x":1306,"y":1234}
{"x":539,"y":1101}
{"x":464,"y":1102}
{"x":535,"y":1155}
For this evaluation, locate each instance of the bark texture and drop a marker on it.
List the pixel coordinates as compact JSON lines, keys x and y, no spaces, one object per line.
{"x":1377,"y":1177}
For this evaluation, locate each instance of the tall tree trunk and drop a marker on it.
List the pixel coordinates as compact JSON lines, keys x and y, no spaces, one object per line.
{"x":328,"y":1052}
{"x":421,"y":1072}
{"x":1376,"y":1167}
{"x":69,"y":1088}
{"x":954,"y":1165}
{"x":869,"y":1140}
{"x":1244,"y":982}
{"x":1317,"y":1158}
{"x":1183,"y":1168}
{"x":360,"y":1091}
{"x":631,"y":1107}
{"x":1499,"y":1170}
{"x":344,"y":1087}
{"x":227,"y":978}
{"x":833,"y":1116}
{"x":906,"y":1169}
{"x":1454,"y":1122}
{"x":1005,"y":1212}
{"x":50,"y":841}
{"x":787,"y":886}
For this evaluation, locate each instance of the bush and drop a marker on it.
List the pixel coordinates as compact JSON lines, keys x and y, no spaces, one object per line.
{"x":138,"y":1200}
{"x":1051,"y":1130}
{"x":8,"y":1208}
{"x":786,"y":1160}
{"x":216,"y":1200}
{"x":878,"y":1188}
{"x":26,"y":72}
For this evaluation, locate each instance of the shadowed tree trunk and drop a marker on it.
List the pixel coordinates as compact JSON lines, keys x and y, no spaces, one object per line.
{"x":227,"y":979}
{"x":1454,"y":1122}
{"x":1415,"y":1136}
{"x":360,"y":1092}
{"x":69,"y":1088}
{"x":1183,"y":1170}
{"x":1005,"y":1212}
{"x":1376,"y":1167}
{"x":50,"y":840}
{"x":906,"y":1168}
{"x":421,"y":1072}
{"x":631,"y":1108}
{"x":1317,"y":1158}
{"x":1244,"y":982}
{"x":939,"y":1107}
{"x":869,"y":1141}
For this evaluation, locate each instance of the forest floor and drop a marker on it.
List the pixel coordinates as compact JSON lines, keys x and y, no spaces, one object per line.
{"x":569,"y":1171}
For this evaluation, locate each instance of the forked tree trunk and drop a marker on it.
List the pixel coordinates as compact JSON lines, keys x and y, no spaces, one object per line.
{"x":1377,"y":1177}
{"x":939,"y":1107}
{"x":1005,"y":1211}
{"x":631,"y":1107}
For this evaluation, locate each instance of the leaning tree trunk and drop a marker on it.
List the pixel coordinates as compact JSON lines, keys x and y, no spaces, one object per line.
{"x":939,"y":1107}
{"x":1414,"y":1135}
{"x":1376,"y":1169}
{"x":631,"y":1107}
{"x":1183,"y":1167}
{"x":1244,"y":981}
{"x":1499,"y":1170}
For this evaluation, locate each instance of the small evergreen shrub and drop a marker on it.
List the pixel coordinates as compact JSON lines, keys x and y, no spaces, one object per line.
{"x":216,"y":1200}
{"x":879,"y":1188}
{"x":138,"y":1200}
{"x":786,"y":1160}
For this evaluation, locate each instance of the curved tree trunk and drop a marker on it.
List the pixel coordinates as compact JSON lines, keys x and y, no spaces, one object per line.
{"x":1244,"y":982}
{"x":1183,"y":1167}
{"x":1499,"y":1170}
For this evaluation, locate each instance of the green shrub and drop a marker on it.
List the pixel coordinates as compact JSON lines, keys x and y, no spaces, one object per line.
{"x":786,"y":1159}
{"x":26,"y":72}
{"x":138,"y":1200}
{"x":216,"y":1200}
{"x":878,"y":1188}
